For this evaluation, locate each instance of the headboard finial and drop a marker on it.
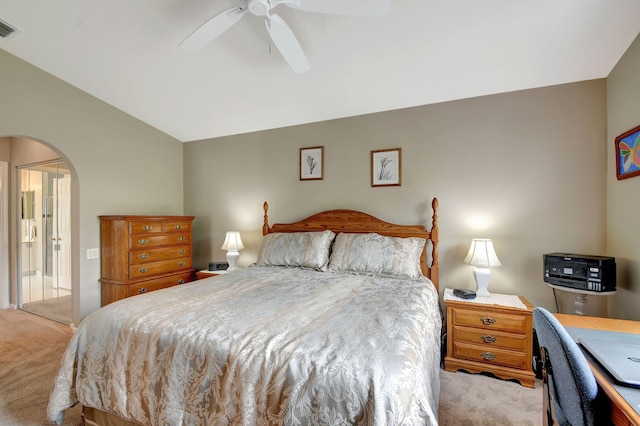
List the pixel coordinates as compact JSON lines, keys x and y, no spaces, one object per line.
{"x":265,"y":226}
{"x":435,"y":237}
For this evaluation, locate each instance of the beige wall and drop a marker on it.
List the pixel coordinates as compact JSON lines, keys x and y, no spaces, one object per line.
{"x":526,"y":169}
{"x":119,"y":164}
{"x":5,"y":149}
{"x":623,"y":197}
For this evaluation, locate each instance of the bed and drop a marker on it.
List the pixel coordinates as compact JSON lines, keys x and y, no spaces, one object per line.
{"x":337,"y":322}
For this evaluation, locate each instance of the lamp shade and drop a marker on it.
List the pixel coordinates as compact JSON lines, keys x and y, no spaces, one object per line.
{"x":482,"y":254}
{"x":232,"y":241}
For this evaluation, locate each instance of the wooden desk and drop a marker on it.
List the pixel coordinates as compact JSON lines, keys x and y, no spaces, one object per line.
{"x":621,"y":412}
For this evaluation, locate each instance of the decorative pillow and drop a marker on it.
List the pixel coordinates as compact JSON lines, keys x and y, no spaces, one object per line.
{"x":377,"y":254}
{"x":296,"y":249}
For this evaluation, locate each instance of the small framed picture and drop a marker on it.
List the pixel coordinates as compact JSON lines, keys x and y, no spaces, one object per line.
{"x":312,"y":163}
{"x":386,"y":167}
{"x":628,"y":154}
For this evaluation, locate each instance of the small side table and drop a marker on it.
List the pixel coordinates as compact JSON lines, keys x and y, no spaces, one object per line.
{"x":581,"y":296}
{"x":205,"y":273}
{"x":490,"y":334}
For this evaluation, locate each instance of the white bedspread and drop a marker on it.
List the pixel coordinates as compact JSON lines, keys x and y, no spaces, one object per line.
{"x":261,"y":346}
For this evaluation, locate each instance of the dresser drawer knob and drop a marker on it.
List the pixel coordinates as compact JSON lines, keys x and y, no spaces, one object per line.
{"x":143,"y":270}
{"x":180,"y":281}
{"x":488,"y":339}
{"x":142,"y":242}
{"x":488,"y":320}
{"x":181,"y":263}
{"x":147,"y":227}
{"x":178,"y":226}
{"x":180,"y":239}
{"x":142,"y":290}
{"x":181,"y":251}
{"x":143,"y":256}
{"x":488,"y":356}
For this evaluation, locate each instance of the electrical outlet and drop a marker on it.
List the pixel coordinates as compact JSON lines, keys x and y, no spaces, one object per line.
{"x":92,"y":253}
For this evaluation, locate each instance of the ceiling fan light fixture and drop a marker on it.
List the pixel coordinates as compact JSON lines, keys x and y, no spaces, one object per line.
{"x":259,"y":7}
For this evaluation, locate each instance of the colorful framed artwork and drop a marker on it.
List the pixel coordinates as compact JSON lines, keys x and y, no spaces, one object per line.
{"x":312,"y":163}
{"x":628,"y":154}
{"x":386,"y":167}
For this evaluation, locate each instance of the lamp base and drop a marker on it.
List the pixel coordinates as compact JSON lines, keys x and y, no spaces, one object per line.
{"x":482,"y":275}
{"x":232,"y":259}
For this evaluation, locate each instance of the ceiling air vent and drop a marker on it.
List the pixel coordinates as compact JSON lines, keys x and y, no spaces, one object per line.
{"x":6,"y":29}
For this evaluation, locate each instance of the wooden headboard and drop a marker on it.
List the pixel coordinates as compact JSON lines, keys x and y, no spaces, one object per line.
{"x":358,"y":222}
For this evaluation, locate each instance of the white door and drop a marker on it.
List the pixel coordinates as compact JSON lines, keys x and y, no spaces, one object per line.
{"x":61,"y":235}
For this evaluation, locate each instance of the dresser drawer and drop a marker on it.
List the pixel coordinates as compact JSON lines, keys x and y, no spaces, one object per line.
{"x":157,"y":254}
{"x":143,"y":241}
{"x":490,"y":338}
{"x":158,"y":284}
{"x":156,"y":268}
{"x":494,"y":356}
{"x":177,"y":226}
{"x":148,"y":226}
{"x":491,"y":321}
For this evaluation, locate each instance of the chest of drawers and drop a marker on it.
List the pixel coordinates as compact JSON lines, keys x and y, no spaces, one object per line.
{"x":144,"y":253}
{"x":490,"y":338}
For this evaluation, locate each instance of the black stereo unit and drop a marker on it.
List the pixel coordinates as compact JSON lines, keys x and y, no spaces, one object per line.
{"x":581,"y":272}
{"x":218,"y":266}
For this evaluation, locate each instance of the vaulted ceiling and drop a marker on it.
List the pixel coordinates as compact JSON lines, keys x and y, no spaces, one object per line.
{"x":125,"y":53}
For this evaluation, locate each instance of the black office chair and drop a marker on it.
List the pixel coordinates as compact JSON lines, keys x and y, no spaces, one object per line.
{"x":569,"y":387}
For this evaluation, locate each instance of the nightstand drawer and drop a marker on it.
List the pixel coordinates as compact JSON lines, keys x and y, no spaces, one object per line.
{"x":491,"y":320}
{"x":486,"y":355}
{"x":490,"y":338}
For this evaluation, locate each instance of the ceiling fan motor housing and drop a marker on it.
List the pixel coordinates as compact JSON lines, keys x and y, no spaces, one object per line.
{"x":259,"y":7}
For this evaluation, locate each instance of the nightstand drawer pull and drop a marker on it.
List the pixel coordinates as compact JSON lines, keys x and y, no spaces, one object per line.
{"x":488,"y":321}
{"x":142,"y":290}
{"x":143,"y":256}
{"x":488,"y":356}
{"x":143,"y":270}
{"x":181,"y":263}
{"x":180,"y":281}
{"x":147,"y":227}
{"x":489,"y":339}
{"x":142,"y":242}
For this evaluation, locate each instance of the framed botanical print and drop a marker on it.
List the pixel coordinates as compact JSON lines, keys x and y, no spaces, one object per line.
{"x":386,"y":167}
{"x":312,"y":163}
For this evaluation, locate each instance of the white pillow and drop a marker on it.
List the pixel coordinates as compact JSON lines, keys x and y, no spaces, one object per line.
{"x":296,"y":249}
{"x":377,"y":254}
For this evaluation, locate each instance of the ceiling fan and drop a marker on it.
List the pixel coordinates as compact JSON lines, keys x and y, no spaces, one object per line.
{"x":279,"y":31}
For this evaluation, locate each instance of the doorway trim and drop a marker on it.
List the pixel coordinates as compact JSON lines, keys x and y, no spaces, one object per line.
{"x":4,"y":235}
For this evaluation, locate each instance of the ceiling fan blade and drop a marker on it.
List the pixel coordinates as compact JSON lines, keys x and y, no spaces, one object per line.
{"x":287,"y":44}
{"x":212,"y":29}
{"x":340,"y":7}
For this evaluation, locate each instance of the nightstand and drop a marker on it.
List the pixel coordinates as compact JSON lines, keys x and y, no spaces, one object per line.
{"x":205,"y":273}
{"x":492,"y":335}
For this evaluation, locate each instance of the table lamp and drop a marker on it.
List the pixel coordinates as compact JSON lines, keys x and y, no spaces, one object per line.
{"x":482,"y":256}
{"x":232,"y":243}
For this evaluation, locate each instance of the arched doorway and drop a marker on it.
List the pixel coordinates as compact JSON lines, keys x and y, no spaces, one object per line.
{"x":16,"y":153}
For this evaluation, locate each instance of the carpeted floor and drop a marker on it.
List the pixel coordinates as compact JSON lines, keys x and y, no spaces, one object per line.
{"x":31,"y":349}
